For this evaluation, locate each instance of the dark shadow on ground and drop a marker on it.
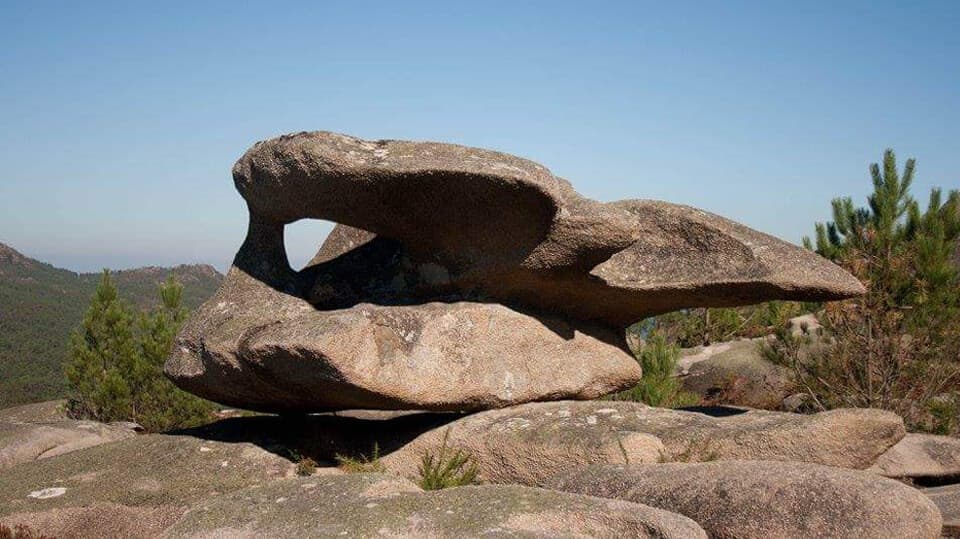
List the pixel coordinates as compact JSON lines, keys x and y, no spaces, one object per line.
{"x":930,"y":481}
{"x":716,"y":411}
{"x":323,"y":437}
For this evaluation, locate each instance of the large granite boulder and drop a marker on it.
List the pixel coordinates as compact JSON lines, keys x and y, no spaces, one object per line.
{"x":460,"y":279}
{"x":768,"y":500}
{"x":434,"y":356}
{"x":922,"y":457}
{"x":735,"y":372}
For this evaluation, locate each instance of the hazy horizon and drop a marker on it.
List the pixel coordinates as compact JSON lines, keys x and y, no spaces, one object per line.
{"x":121,"y":122}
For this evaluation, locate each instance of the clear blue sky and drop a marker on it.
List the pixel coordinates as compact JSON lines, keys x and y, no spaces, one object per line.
{"x":120,"y":121}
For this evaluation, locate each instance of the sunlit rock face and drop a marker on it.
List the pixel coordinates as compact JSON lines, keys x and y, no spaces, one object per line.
{"x":458,"y":279}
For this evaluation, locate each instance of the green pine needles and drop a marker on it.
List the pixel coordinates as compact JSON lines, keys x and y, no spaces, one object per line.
{"x":115,"y":368}
{"x":362,"y":463}
{"x":447,"y":468}
{"x":658,"y":386}
{"x":898,"y":346}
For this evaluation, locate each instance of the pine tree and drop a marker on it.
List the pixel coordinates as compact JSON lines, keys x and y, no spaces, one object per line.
{"x":101,"y":349}
{"x":934,"y":236}
{"x":115,"y":370}
{"x":898,"y":346}
{"x":162,"y":405}
{"x":877,"y":227}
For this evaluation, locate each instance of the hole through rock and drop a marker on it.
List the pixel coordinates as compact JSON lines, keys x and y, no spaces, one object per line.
{"x":303,"y":238}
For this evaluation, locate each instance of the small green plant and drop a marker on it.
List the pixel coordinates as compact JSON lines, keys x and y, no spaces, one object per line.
{"x":659,"y":386}
{"x":306,"y":466}
{"x":698,"y":451}
{"x":362,"y":464}
{"x":447,"y":468}
{"x":20,"y":532}
{"x":943,"y":416}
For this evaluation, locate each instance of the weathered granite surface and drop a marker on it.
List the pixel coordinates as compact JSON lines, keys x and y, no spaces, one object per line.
{"x":767,"y":500}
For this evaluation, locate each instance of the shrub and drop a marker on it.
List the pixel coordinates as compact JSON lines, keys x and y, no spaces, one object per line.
{"x":702,"y":450}
{"x":306,"y":466}
{"x":898,"y":346}
{"x":115,"y":368}
{"x":868,"y":359}
{"x":700,"y":327}
{"x":944,"y":414}
{"x":362,"y":464}
{"x":658,"y":386}
{"x":20,"y":532}
{"x":447,"y":468}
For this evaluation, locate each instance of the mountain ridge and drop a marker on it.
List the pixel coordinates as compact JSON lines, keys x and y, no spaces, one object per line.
{"x":40,"y":304}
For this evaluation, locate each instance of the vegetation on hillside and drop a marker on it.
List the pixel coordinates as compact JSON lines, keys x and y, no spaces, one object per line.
{"x":115,"y":370}
{"x":41,"y":304}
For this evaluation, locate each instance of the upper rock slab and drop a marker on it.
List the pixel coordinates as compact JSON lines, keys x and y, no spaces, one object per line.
{"x":491,"y":223}
{"x":443,"y":200}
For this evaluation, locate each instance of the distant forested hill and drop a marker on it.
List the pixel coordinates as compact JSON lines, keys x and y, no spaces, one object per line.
{"x":40,"y":305}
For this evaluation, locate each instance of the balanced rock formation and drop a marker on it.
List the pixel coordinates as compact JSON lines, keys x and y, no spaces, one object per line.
{"x":459,"y":279}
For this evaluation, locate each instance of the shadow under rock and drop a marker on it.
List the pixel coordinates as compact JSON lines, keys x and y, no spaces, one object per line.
{"x":323,"y":437}
{"x":381,"y":272}
{"x":716,"y":411}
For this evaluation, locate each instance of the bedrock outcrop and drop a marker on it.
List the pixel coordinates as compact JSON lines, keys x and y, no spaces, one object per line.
{"x":532,"y":443}
{"x":767,"y":500}
{"x":459,"y":279}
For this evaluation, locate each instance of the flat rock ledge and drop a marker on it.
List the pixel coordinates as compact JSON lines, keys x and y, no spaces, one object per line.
{"x":947,"y":499}
{"x":136,"y":487}
{"x":24,"y":442}
{"x":920,"y":457}
{"x":376,"y":505}
{"x":611,"y":469}
{"x":183,"y":486}
{"x":531,"y":443}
